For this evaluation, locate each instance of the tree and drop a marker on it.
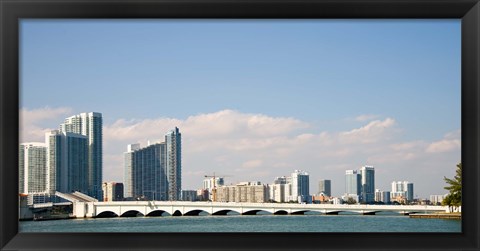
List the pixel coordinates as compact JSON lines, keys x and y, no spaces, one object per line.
{"x":351,"y":201}
{"x":454,"y":198}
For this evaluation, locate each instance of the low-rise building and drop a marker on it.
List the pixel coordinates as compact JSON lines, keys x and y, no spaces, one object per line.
{"x":321,"y":198}
{"x":437,"y":199}
{"x":203,"y":194}
{"x":243,"y":192}
{"x":112,"y":191}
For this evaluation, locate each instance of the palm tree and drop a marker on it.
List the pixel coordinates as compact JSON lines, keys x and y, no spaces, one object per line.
{"x":454,"y":198}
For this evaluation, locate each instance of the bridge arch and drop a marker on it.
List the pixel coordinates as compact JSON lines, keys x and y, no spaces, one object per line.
{"x":255,"y":211}
{"x":156,"y":213}
{"x":177,"y":213}
{"x":299,"y":212}
{"x":281,"y":212}
{"x":195,"y":212}
{"x":131,"y":213}
{"x":225,"y":212}
{"x":106,"y":214}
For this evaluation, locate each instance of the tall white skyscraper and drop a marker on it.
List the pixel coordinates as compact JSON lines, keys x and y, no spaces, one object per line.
{"x":67,"y":162}
{"x":368,"y":184}
{"x":33,"y":172}
{"x":300,"y":186}
{"x":173,"y":140}
{"x":90,"y":124}
{"x":145,"y":172}
{"x":154,"y":172}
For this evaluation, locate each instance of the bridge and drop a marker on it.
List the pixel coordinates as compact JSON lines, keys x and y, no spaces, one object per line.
{"x":82,"y":209}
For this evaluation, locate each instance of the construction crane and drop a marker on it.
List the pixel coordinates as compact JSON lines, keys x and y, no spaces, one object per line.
{"x":214,"y":189}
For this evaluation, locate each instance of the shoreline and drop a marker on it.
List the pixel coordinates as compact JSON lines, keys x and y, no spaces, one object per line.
{"x":454,"y":216}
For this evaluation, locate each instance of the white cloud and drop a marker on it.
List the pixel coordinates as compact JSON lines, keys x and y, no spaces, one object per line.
{"x":450,"y":142}
{"x":443,"y":146}
{"x":372,"y":132}
{"x":366,"y":117}
{"x":252,"y":164}
{"x":34,"y":123}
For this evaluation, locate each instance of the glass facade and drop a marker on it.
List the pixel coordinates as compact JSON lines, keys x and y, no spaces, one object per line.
{"x":353,"y":183}
{"x":325,"y":187}
{"x":173,"y":140}
{"x":90,"y":125}
{"x":145,"y":173}
{"x":300,"y":185}
{"x":32,"y":168}
{"x":67,"y":162}
{"x":368,"y":184}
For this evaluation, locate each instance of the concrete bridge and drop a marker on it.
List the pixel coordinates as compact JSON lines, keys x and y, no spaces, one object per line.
{"x":183,"y":208}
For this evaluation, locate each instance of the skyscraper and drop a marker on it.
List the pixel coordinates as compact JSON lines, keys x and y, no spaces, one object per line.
{"x":353,"y":183}
{"x":67,"y":162}
{"x":90,"y":125}
{"x":300,"y":186}
{"x":145,"y":172}
{"x":154,"y":172}
{"x":368,"y":184}
{"x":325,"y":187}
{"x":409,"y":192}
{"x":173,"y":140}
{"x":402,"y":189}
{"x":32,"y":168}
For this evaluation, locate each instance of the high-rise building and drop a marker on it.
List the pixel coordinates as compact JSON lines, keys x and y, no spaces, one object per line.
{"x":368,"y":184}
{"x":300,"y":186}
{"x":277,"y":192}
{"x":282,"y":180}
{"x":353,"y":183}
{"x":33,"y":173}
{"x":90,"y":125}
{"x":325,"y":187}
{"x":382,"y":196}
{"x":145,"y":172}
{"x":402,"y":189}
{"x":173,"y":141}
{"x":67,"y":162}
{"x":409,"y":193}
{"x":112,"y":191}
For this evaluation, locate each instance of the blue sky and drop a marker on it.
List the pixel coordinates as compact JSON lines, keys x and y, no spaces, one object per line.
{"x":324,"y":75}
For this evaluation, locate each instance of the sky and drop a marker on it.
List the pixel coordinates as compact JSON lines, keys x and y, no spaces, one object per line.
{"x":256,"y":99}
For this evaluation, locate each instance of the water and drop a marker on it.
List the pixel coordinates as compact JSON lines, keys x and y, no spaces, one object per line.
{"x":244,"y":223}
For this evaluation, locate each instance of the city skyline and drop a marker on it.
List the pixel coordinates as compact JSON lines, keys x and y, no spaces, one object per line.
{"x":346,"y":94}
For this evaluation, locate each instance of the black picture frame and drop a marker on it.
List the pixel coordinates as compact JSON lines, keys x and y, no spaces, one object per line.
{"x":13,"y":10}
